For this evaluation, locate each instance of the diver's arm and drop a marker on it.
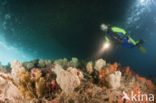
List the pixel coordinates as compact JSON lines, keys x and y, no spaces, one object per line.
{"x":107,"y":39}
{"x":118,"y":30}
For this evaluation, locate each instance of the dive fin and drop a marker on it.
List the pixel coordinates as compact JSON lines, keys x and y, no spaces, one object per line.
{"x":142,"y":49}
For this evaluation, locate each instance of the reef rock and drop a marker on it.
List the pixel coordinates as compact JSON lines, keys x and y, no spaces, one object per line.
{"x":99,"y":64}
{"x":8,"y":90}
{"x":68,"y":79}
{"x":2,"y":80}
{"x":12,"y":91}
{"x":113,"y":80}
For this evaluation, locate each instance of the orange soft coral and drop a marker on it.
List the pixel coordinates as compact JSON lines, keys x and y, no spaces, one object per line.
{"x":108,"y":70}
{"x":115,"y":66}
{"x":150,"y":85}
{"x":142,"y":79}
{"x":112,"y":69}
{"x":136,"y":90}
{"x":102,"y":75}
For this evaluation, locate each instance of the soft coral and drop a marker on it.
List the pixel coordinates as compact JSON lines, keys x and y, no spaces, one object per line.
{"x":150,"y":85}
{"x":108,"y":70}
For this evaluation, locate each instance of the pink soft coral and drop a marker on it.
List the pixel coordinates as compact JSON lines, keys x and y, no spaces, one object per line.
{"x":53,"y":85}
{"x":33,"y":72}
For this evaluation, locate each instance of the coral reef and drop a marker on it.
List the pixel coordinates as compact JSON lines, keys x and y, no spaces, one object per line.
{"x":63,"y":81}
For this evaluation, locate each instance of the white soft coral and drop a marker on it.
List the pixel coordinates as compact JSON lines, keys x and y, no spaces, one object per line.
{"x":113,"y":80}
{"x":68,"y":79}
{"x":99,"y":64}
{"x":16,"y":67}
{"x":8,"y":89}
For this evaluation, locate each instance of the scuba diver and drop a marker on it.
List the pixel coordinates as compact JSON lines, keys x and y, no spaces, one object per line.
{"x":119,"y":36}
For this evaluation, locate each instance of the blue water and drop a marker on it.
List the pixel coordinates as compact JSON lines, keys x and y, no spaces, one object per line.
{"x":31,"y":29}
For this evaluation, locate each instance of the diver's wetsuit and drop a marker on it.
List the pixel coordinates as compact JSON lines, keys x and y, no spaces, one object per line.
{"x":112,"y":35}
{"x":119,"y":36}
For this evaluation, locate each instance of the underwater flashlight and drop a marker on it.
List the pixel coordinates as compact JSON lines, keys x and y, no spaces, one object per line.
{"x":106,"y":45}
{"x":103,"y":49}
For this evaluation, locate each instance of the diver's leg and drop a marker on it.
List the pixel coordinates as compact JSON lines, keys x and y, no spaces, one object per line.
{"x":140,"y":43}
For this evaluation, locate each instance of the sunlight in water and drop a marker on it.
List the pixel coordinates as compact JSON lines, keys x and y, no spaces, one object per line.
{"x":146,"y":2}
{"x":137,"y":9}
{"x":8,"y":53}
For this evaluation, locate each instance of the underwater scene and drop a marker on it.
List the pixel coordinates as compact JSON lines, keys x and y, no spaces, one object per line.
{"x":77,"y":51}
